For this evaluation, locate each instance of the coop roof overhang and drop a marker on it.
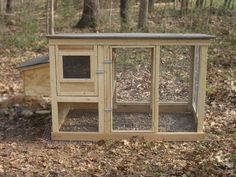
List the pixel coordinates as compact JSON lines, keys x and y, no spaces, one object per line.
{"x":131,"y":36}
{"x":40,"y":60}
{"x":130,"y":39}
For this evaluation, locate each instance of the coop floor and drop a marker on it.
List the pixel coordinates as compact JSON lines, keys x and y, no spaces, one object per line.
{"x":80,"y":121}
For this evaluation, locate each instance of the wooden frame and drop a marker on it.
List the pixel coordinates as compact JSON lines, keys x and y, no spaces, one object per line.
{"x":155,"y":59}
{"x":89,"y":86}
{"x":176,"y":136}
{"x":36,"y":80}
{"x":100,"y":48}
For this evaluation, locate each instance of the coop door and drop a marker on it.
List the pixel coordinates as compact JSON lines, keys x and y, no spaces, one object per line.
{"x":77,"y":72}
{"x":132,"y":89}
{"x":175,"y":89}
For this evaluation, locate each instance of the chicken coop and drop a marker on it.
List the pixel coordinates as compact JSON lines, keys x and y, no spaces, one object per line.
{"x":120,"y":85}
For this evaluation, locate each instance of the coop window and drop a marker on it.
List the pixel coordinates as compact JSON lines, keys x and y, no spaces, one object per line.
{"x":75,"y":67}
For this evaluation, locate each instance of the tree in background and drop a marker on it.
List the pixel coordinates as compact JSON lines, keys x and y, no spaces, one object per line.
{"x":199,"y":3}
{"x":184,"y":6}
{"x":125,"y":14}
{"x":90,"y":15}
{"x":9,"y":6}
{"x":228,"y":3}
{"x":151,"y":6}
{"x":143,"y":14}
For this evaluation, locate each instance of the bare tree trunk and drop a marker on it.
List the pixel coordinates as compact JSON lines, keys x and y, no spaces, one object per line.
{"x":9,"y":6}
{"x":151,"y":6}
{"x":143,"y":14}
{"x":124,"y":14}
{"x":211,"y":5}
{"x":52,"y":18}
{"x":225,"y":3}
{"x":1,"y":6}
{"x":90,"y":14}
{"x":184,"y":6}
{"x":233,"y":5}
{"x":199,"y":3}
{"x":55,"y":5}
{"x":47,"y":17}
{"x":229,"y":3}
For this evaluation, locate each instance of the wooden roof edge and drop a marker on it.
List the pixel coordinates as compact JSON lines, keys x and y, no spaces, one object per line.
{"x":43,"y":59}
{"x":131,"y":36}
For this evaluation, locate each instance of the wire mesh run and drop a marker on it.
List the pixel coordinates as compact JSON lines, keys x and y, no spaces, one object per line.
{"x":81,"y":117}
{"x":175,"y":69}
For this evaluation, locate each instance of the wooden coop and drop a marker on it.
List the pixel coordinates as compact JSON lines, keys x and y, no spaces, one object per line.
{"x":119,"y":85}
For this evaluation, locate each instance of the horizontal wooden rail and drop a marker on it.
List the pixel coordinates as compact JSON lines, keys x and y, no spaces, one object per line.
{"x":84,"y":136}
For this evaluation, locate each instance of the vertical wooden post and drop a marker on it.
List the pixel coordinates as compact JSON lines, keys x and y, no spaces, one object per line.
{"x":155,"y":87}
{"x":202,"y":87}
{"x":192,"y":55}
{"x":52,"y":59}
{"x":108,"y":90}
{"x":114,"y":95}
{"x":101,"y":89}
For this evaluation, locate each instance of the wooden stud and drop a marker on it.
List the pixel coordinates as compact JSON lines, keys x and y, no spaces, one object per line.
{"x":101,"y":86}
{"x":63,"y":110}
{"x":108,"y":91}
{"x":53,"y":78}
{"x":130,"y":42}
{"x":155,"y":81}
{"x":174,"y":107}
{"x":145,"y":107}
{"x":167,"y":136}
{"x":114,"y":71}
{"x":77,"y":99}
{"x":202,"y":87}
{"x":76,"y":47}
{"x":191,"y":77}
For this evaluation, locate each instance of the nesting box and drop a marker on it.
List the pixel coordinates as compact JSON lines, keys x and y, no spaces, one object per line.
{"x":119,"y":85}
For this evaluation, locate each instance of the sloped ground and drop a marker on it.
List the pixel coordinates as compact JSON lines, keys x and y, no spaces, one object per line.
{"x":23,"y":152}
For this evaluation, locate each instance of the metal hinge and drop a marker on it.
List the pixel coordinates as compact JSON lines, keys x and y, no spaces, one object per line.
{"x":100,"y":71}
{"x":108,"y":109}
{"x":107,"y":61}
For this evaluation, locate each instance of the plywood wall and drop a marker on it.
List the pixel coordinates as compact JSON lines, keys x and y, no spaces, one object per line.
{"x":37,"y":81}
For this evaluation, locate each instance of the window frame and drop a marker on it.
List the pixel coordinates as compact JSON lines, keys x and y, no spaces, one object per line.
{"x":79,"y":53}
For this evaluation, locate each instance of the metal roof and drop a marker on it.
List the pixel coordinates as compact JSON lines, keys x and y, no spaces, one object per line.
{"x":35,"y":61}
{"x":131,"y":36}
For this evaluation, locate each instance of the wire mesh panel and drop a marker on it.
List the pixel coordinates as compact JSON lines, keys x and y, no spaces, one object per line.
{"x":174,"y":87}
{"x":132,"y":85}
{"x":175,"y":73}
{"x":133,"y":74}
{"x":76,"y":67}
{"x":81,"y":117}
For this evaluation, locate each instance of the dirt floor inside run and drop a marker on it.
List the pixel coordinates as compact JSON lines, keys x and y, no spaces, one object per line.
{"x":168,"y":122}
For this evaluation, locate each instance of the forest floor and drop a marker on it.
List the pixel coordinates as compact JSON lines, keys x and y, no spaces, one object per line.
{"x":25,"y":151}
